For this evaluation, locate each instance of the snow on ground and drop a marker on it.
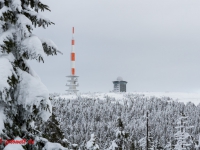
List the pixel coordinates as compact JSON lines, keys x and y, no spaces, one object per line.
{"x":66,"y":96}
{"x":14,"y":146}
{"x":181,"y":97}
{"x":102,"y":96}
{"x":53,"y":146}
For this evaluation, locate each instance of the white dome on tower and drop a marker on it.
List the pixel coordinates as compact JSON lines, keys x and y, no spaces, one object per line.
{"x":119,"y":79}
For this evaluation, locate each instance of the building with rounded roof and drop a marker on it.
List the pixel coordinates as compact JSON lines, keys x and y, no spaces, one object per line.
{"x":119,"y":85}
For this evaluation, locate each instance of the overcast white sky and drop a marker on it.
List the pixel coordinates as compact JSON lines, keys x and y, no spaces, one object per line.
{"x":153,"y":44}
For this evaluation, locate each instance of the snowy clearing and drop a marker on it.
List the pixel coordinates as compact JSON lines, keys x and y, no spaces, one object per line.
{"x":177,"y":96}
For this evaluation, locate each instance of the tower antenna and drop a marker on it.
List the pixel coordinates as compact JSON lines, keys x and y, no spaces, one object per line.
{"x":73,"y":79}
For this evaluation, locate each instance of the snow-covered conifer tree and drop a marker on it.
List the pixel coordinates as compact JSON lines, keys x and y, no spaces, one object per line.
{"x":168,"y":146}
{"x":147,"y":142}
{"x":113,"y":146}
{"x":24,"y":99}
{"x":182,"y":135}
{"x":91,"y":144}
{"x":74,"y":147}
{"x":143,"y":143}
{"x":157,"y":145}
{"x":51,"y":131}
{"x":151,"y":144}
{"x":197,"y":144}
{"x":121,"y":136}
{"x":133,"y":144}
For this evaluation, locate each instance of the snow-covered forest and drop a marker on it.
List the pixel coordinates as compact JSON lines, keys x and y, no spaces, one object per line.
{"x":82,"y":116}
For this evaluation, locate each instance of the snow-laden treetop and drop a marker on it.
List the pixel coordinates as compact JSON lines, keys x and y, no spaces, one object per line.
{"x":21,"y":90}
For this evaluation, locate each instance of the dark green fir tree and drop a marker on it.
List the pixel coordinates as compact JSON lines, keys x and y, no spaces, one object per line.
{"x":24,"y":99}
{"x":51,"y":131}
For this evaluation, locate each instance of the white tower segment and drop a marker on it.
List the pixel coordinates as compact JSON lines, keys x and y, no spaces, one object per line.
{"x":73,"y":55}
{"x":73,"y":79}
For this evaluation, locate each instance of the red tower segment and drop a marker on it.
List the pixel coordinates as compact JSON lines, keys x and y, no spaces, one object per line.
{"x":73,"y":54}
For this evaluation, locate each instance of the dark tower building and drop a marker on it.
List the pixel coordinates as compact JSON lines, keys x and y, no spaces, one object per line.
{"x":119,"y":85}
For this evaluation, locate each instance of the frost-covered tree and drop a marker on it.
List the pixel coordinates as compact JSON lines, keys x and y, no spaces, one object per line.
{"x":133,"y":144}
{"x":168,"y":146}
{"x":147,"y":142}
{"x":157,"y":145}
{"x":151,"y":144}
{"x":113,"y":146}
{"x":143,"y":143}
{"x":83,"y":113}
{"x":24,"y":99}
{"x":121,"y":137}
{"x":182,"y":136}
{"x":91,"y":144}
{"x":51,"y":131}
{"x":197,"y":144}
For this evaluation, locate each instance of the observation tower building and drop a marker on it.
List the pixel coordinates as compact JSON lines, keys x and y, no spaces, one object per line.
{"x":119,"y":85}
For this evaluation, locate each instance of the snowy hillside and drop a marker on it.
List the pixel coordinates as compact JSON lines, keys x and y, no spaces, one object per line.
{"x":180,"y":97}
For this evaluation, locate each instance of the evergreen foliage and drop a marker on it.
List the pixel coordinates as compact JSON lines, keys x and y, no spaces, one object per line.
{"x":183,"y":138}
{"x":52,"y":132}
{"x":24,"y":100}
{"x":120,"y":142}
{"x":91,"y":144}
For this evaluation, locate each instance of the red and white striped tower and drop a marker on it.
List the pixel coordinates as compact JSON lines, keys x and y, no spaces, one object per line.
{"x":73,"y":81}
{"x":73,"y":55}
